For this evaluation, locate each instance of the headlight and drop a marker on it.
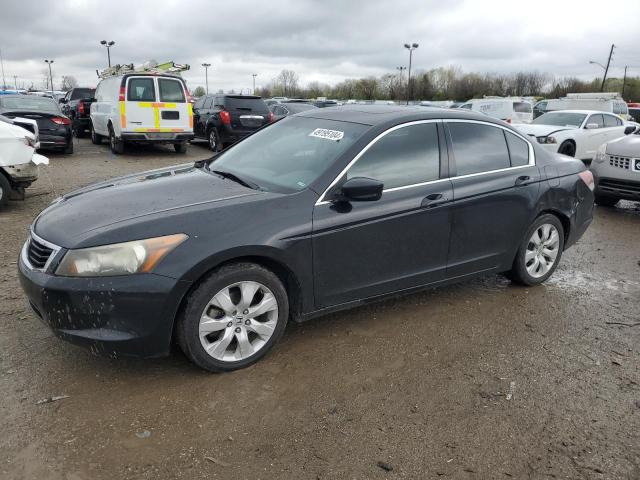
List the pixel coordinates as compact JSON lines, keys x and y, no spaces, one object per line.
{"x":547,"y":139}
{"x":139,"y":256}
{"x":601,"y":154}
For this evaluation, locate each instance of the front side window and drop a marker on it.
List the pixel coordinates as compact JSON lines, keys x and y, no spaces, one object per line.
{"x":170,"y":90}
{"x":141,"y":90}
{"x":402,"y":157}
{"x":518,"y":150}
{"x":596,"y":120}
{"x":478,"y":148}
{"x":561,"y":119}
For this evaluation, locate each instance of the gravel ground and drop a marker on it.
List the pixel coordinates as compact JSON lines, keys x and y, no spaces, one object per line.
{"x":482,"y":380}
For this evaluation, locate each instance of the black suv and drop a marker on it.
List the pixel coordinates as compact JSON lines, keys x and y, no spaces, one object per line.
{"x":225,"y":119}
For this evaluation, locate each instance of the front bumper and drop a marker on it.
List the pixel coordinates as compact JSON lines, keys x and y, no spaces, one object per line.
{"x":617,"y":182}
{"x":23,"y":173}
{"x":130,"y":315}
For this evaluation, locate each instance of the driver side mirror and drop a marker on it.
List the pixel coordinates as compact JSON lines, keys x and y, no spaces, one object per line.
{"x":629,"y":130}
{"x":360,"y":189}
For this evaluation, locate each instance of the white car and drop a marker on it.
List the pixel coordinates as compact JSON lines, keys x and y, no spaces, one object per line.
{"x":18,"y":160}
{"x":576,"y":133}
{"x":142,"y":108}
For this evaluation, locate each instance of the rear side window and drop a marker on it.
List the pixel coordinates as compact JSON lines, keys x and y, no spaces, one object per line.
{"x":467,"y":106}
{"x":405,"y":156}
{"x":478,"y":148}
{"x":170,"y":90}
{"x":597,"y":119}
{"x":518,"y":150}
{"x":522,"y":107}
{"x":611,"y":121}
{"x":141,"y":90}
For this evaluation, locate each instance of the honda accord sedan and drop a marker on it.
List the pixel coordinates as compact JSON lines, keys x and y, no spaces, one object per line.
{"x":324,"y":210}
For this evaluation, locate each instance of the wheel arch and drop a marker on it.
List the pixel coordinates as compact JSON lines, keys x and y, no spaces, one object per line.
{"x":563,"y":217}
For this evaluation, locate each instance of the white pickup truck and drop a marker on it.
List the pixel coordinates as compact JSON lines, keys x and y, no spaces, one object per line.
{"x":18,"y":160}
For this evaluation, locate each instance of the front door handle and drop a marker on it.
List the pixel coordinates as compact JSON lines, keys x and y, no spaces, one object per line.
{"x":434,"y":199}
{"x":522,"y":180}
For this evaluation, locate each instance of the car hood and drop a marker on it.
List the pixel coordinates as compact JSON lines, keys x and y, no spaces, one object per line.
{"x":539,"y":130}
{"x":628,"y":146}
{"x":155,"y":192}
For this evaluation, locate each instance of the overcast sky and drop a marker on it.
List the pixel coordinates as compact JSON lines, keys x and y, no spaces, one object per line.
{"x":322,"y":40}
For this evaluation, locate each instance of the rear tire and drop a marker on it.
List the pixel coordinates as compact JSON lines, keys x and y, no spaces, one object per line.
{"x":68,"y":150}
{"x":96,"y":138}
{"x":180,"y":147}
{"x":214,"y":140}
{"x":539,"y":252}
{"x":606,"y":201}
{"x":231,"y":340}
{"x":5,"y":190}
{"x":117,"y":146}
{"x":567,"y":148}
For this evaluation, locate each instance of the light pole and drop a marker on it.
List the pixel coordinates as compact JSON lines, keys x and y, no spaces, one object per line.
{"x":49,"y":62}
{"x":411,"y":48}
{"x":400,"y":69}
{"x":254,"y":75}
{"x":206,"y":75}
{"x":108,"y":44}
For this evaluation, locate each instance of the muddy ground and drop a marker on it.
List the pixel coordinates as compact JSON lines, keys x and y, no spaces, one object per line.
{"x":482,"y":380}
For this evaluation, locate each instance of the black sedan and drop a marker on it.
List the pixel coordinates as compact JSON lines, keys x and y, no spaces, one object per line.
{"x":54,"y":127}
{"x":284,"y":109}
{"x":321,"y":211}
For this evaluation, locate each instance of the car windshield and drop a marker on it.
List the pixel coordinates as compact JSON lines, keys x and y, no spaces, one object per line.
{"x":289,"y":155}
{"x":561,"y":119}
{"x":29,"y":102}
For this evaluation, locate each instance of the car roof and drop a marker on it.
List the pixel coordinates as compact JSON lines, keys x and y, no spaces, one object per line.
{"x":381,"y":114}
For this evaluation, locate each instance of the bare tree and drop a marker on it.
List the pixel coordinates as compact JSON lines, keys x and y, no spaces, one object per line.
{"x":289,"y":81}
{"x":68,"y":82}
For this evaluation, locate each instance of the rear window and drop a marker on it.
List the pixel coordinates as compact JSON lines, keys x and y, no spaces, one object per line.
{"x":141,"y":90}
{"x":170,"y":90}
{"x":611,"y":121}
{"x":522,"y":107}
{"x":29,"y":103}
{"x":248,"y":104}
{"x":82,"y":93}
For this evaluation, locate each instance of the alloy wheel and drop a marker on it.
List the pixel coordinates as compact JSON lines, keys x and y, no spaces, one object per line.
{"x":542,"y":250}
{"x":238,"y":321}
{"x":213,"y":140}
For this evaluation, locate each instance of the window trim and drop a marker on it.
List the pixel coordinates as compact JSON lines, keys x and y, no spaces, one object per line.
{"x":169,"y":79}
{"x":321,"y":200}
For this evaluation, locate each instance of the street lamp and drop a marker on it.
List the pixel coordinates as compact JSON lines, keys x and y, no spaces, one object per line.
{"x":597,"y":63}
{"x":254,"y":75}
{"x":49,"y":62}
{"x":206,"y":74}
{"x":411,"y":48}
{"x":108,"y":44}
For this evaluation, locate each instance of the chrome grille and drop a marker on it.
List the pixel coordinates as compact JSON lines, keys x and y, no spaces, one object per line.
{"x":620,"y":162}
{"x":38,"y":253}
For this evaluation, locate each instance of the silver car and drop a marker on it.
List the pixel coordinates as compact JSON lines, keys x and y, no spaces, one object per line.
{"x":616,"y":169}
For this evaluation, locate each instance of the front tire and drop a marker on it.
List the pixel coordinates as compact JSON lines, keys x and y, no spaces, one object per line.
{"x":540,"y":251}
{"x":233,"y":318}
{"x":606,"y":201}
{"x":567,"y":148}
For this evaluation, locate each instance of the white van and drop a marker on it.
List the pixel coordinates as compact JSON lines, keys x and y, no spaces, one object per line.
{"x":511,"y":110}
{"x":142,"y":108}
{"x":610,"y":102}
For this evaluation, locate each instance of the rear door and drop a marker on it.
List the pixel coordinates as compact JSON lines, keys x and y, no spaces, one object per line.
{"x":174,"y":110}
{"x":614,"y":126}
{"x":247,"y":113}
{"x":139,"y":114}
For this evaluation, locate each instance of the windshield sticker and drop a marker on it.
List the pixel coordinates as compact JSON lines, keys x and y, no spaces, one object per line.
{"x":327,"y":134}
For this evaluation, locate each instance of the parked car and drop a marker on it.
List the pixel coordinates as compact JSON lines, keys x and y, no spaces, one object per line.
{"x":323,"y":210}
{"x":326,"y":103}
{"x":150,"y":108}
{"x":576,"y":133}
{"x":616,"y":169}
{"x":54,"y":127}
{"x":225,"y":119}
{"x":18,"y":160}
{"x":609,"y":102}
{"x":76,"y":105}
{"x":284,"y":109}
{"x":634,"y":111}
{"x":510,"y":110}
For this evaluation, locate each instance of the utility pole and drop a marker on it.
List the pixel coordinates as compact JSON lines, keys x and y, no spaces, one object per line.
{"x":254,"y":75}
{"x":606,"y":70}
{"x":624,"y":81}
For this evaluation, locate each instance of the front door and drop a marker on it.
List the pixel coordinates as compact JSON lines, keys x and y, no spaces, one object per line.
{"x":364,"y":249}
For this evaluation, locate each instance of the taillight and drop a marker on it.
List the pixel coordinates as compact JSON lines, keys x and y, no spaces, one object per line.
{"x":587,"y":178}
{"x":121,"y":97}
{"x":81,"y":108}
{"x":61,"y":120}
{"x":508,"y":120}
{"x":272,"y":117}
{"x":225,"y":117}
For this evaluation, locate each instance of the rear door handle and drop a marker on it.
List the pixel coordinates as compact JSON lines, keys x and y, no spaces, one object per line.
{"x":434,"y":199}
{"x":522,"y":180}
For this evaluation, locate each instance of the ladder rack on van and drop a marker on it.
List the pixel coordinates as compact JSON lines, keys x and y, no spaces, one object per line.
{"x":160,"y":68}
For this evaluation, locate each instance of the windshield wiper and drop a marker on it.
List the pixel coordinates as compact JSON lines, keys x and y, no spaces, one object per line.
{"x":237,"y":179}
